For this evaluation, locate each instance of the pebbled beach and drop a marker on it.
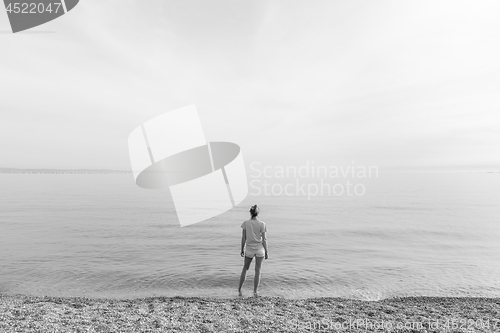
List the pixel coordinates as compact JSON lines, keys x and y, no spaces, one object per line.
{"x":19,"y":313}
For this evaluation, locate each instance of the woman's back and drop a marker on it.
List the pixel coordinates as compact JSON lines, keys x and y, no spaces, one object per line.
{"x":254,"y":237}
{"x":254,"y":229}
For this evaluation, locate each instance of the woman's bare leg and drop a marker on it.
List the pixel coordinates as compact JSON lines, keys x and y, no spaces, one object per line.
{"x":246,"y":266}
{"x":256,"y":280}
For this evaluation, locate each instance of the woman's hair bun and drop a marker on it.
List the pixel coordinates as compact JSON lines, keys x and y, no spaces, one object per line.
{"x":254,"y":210}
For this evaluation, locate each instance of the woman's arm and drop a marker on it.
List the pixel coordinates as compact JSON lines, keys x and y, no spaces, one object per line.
{"x":243,"y":241}
{"x":264,"y":242}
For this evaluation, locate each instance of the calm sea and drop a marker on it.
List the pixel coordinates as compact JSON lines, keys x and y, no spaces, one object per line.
{"x":99,"y":235}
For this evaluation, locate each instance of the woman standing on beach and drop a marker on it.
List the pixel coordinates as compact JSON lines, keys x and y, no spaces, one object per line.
{"x":254,"y":236}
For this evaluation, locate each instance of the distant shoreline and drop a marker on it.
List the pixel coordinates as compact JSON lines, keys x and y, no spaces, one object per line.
{"x":263,"y":314}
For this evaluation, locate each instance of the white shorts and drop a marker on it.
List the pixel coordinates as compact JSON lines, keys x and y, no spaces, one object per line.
{"x":255,"y":253}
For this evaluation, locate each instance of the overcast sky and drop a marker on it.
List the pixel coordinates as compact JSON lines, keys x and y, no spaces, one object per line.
{"x":388,"y":83}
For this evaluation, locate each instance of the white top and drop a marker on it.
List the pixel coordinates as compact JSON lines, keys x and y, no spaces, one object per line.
{"x":254,"y":230}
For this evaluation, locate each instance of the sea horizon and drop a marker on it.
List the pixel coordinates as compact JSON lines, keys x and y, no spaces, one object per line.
{"x":420,"y":234}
